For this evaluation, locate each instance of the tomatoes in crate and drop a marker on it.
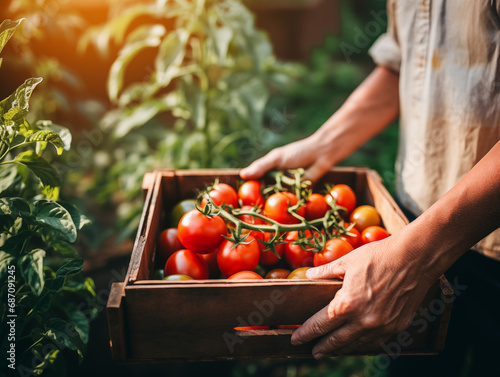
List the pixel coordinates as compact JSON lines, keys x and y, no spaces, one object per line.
{"x":364,"y":216}
{"x":250,"y":193}
{"x":277,"y":208}
{"x":334,"y":249}
{"x":233,"y":258}
{"x":168,"y":243}
{"x":186,"y":262}
{"x":278,"y":273}
{"x":249,"y":275}
{"x":296,"y":255}
{"x":222,"y":193}
{"x":344,"y":196}
{"x":277,"y":229}
{"x":373,"y":233}
{"x":200,"y":233}
{"x":298,"y":273}
{"x":316,"y":207}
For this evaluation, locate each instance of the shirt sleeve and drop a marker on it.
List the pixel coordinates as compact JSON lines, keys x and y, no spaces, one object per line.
{"x":386,"y":51}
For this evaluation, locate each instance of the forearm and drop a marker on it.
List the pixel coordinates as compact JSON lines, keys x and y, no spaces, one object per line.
{"x":457,"y":221}
{"x":368,"y":110}
{"x":371,"y":108}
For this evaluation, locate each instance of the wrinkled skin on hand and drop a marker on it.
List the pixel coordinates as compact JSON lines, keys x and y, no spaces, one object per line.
{"x":380,"y":293}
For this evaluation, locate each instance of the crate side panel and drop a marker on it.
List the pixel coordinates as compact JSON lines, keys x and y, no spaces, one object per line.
{"x":147,"y":242}
{"x":392,"y":217}
{"x":143,"y":237}
{"x":199,"y":322}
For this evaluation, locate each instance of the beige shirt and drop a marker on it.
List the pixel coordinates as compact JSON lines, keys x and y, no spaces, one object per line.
{"x":447,"y":54}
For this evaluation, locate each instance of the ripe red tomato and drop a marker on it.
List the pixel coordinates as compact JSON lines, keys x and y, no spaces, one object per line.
{"x":344,"y":196}
{"x":200,"y":233}
{"x":295,"y":255}
{"x":298,"y":273}
{"x":211,"y":261}
{"x":245,"y":275}
{"x":365,"y":216}
{"x":334,"y":249}
{"x":250,"y":194}
{"x":186,"y":262}
{"x":278,"y":273}
{"x":373,"y":233}
{"x":223,"y":193}
{"x":276,"y":208}
{"x":355,"y":240}
{"x":243,"y":257}
{"x":268,"y":258}
{"x":168,"y":243}
{"x":316,"y":207}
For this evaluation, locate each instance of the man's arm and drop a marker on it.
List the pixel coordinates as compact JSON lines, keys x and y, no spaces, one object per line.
{"x":386,"y":281}
{"x":369,"y":110}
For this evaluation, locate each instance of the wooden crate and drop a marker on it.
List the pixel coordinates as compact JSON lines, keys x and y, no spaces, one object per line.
{"x":155,"y":321}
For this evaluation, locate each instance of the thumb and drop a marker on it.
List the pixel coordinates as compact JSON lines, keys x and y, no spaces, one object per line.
{"x":335,"y":269}
{"x":259,"y":167}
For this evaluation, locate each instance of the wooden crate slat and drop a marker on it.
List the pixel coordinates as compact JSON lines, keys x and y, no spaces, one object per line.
{"x":116,"y":321}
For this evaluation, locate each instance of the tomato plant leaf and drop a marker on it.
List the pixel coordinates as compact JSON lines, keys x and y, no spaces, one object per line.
{"x":79,"y":219}
{"x":221,"y":35}
{"x":195,"y":99}
{"x":8,"y":175}
{"x":15,"y":245}
{"x":6,"y":260}
{"x":63,"y":133}
{"x":31,"y":266}
{"x":40,"y":167}
{"x":151,"y":37}
{"x":85,"y":286}
{"x":124,"y":122}
{"x":116,"y":28}
{"x":6,"y":222}
{"x":16,"y":105}
{"x":51,"y":193}
{"x":78,"y":319}
{"x":43,"y":302}
{"x":71,"y":267}
{"x":47,"y":136}
{"x":7,"y":30}
{"x":54,"y":284}
{"x":25,"y":127}
{"x":65,"y":249}
{"x":65,"y":335}
{"x":56,"y":216}
{"x":14,"y":206}
{"x":171,"y":55}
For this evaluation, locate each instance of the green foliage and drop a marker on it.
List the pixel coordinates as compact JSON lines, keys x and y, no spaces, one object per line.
{"x":39,"y":268}
{"x":7,"y":30}
{"x":62,"y":96}
{"x":203,"y":95}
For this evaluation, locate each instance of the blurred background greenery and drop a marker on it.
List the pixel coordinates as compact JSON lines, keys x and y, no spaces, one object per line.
{"x":186,"y":84}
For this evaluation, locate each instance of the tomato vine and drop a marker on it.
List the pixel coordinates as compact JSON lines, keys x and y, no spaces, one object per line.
{"x":320,"y":230}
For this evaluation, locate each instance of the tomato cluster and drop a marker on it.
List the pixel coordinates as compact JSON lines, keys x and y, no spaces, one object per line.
{"x":246,"y":234}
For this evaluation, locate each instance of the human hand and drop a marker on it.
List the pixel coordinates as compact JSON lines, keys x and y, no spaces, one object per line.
{"x":380,"y":293}
{"x":308,"y":153}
